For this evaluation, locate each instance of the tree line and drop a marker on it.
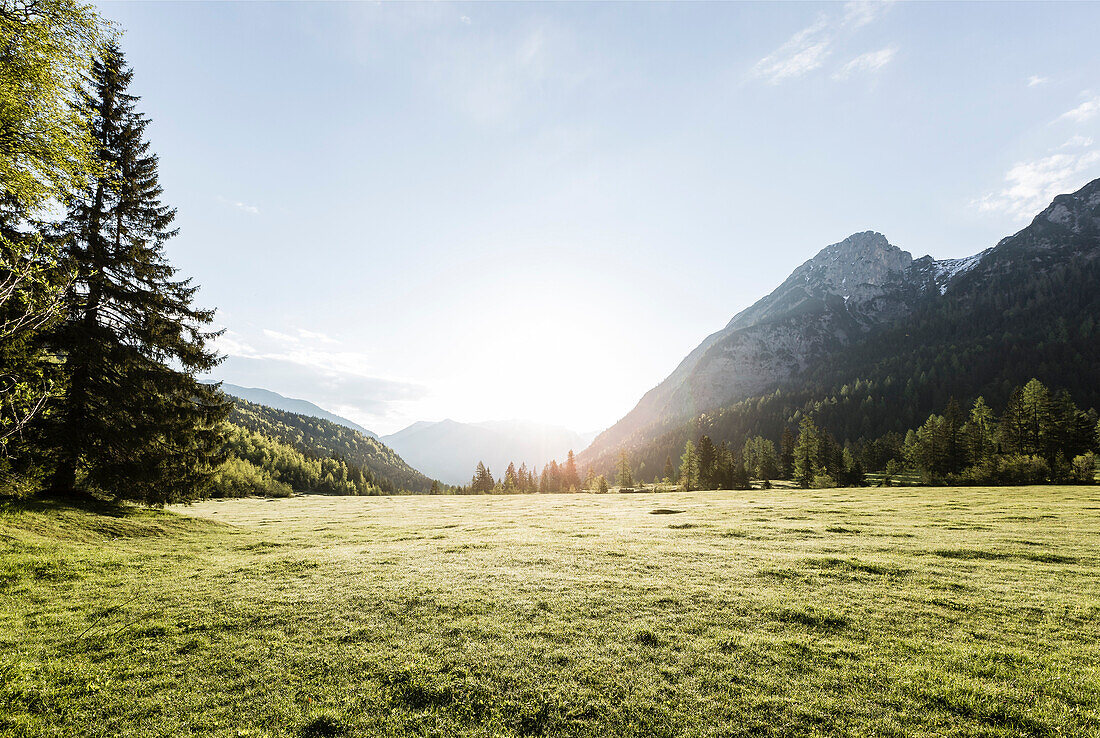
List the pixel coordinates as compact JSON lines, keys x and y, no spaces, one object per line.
{"x":1040,"y":437}
{"x":553,"y":478}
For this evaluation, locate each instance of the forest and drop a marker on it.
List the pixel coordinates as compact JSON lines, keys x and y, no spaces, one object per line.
{"x":1041,"y":437}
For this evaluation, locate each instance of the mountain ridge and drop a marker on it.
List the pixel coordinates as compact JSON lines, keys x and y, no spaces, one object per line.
{"x":268,"y":398}
{"x":789,"y":335}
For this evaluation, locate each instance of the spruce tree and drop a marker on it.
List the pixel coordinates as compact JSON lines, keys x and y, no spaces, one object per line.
{"x":805,"y":462}
{"x":570,"y":479}
{"x":980,"y":432}
{"x":626,"y":478}
{"x":706,"y":456}
{"x":786,"y":454}
{"x":689,"y":467}
{"x":133,"y":421}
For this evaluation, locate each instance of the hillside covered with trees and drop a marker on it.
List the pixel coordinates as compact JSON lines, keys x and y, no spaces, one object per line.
{"x":315,"y":455}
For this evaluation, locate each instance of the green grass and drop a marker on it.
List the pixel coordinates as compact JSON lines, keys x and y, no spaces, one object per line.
{"x":869,"y":612}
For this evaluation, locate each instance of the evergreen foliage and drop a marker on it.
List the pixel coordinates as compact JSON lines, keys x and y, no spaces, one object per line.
{"x":689,"y":467}
{"x":626,"y":477}
{"x":133,"y":420}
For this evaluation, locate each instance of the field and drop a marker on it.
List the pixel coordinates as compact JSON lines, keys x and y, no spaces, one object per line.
{"x":889,"y":612}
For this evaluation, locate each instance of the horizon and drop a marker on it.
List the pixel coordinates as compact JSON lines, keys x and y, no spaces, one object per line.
{"x":564,"y":161}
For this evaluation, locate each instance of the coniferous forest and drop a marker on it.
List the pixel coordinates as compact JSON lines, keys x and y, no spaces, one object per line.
{"x":1040,"y":437}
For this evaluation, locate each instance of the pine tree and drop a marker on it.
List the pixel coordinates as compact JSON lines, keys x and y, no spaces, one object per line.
{"x":767,"y":467}
{"x":626,"y":478}
{"x":134,"y":420}
{"x":482,"y":482}
{"x":806,"y":452}
{"x":786,"y":454}
{"x":1038,"y":408}
{"x":1014,"y":424}
{"x":511,"y":482}
{"x":955,"y":447}
{"x":739,"y":476}
{"x":707,"y":460}
{"x":980,"y":432}
{"x":570,"y":479}
{"x":1026,"y":425}
{"x":1071,"y":429}
{"x":553,"y":477}
{"x":689,"y":468}
{"x":670,"y":470}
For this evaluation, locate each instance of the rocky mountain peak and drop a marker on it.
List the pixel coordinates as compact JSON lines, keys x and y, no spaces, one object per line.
{"x":1077,"y":211}
{"x":862,"y":258}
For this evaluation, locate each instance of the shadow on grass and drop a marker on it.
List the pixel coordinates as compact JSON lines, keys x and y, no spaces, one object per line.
{"x":88,"y":503}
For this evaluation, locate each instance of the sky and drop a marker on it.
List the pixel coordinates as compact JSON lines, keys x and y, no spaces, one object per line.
{"x":515,"y":210}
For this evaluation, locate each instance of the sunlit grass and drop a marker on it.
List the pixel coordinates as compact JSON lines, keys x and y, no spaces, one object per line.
{"x":902,"y":611}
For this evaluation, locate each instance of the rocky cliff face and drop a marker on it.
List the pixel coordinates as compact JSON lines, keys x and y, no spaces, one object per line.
{"x":851,"y":291}
{"x":845,"y":290}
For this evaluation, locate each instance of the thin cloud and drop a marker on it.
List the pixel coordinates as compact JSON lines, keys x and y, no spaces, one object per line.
{"x":1035,"y":80}
{"x":1030,"y":186}
{"x":867,"y":63}
{"x":1076,"y":142}
{"x":294,"y":365}
{"x":809,"y":49}
{"x":1083,"y":112}
{"x":314,"y":336}
{"x":859,"y":13}
{"x":465,"y":20}
{"x":803,"y":52}
{"x":242,"y":206}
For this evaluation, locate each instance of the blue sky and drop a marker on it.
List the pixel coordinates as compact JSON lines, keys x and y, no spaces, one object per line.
{"x":505,"y":210}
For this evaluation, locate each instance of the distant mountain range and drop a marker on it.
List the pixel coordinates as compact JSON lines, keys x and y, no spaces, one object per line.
{"x":864,"y":319}
{"x":446,"y":450}
{"x":291,"y":405}
{"x":449,"y":451}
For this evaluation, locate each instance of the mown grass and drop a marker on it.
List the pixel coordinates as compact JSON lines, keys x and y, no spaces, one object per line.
{"x":882,"y":612}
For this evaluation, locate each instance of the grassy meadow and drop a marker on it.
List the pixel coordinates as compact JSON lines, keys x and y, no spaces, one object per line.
{"x":861,"y":612}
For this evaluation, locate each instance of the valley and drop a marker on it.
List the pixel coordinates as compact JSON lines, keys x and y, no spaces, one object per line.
{"x":887,"y":612}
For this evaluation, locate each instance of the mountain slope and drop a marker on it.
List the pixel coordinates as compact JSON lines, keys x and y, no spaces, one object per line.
{"x":921,"y":330}
{"x":324,"y":439}
{"x":271,"y":399}
{"x":449,"y":450}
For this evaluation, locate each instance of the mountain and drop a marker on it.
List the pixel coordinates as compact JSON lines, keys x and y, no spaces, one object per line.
{"x":323,"y":439}
{"x":917,"y":331}
{"x":449,"y":450}
{"x":291,"y":405}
